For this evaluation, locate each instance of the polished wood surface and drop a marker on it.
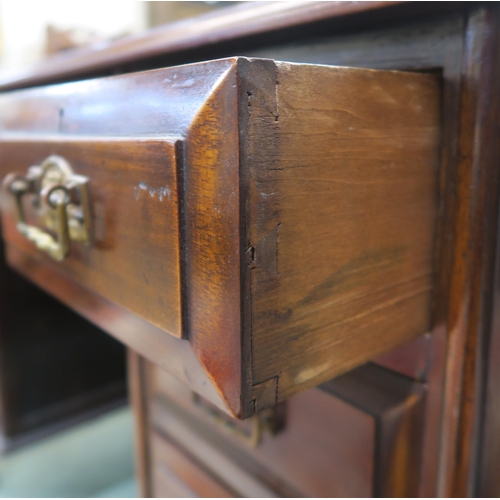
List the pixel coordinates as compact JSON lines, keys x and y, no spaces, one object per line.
{"x":360,"y":435}
{"x":138,"y":401}
{"x":326,"y":297}
{"x":133,"y":190}
{"x":426,"y":44}
{"x":453,"y":414}
{"x":472,"y":273}
{"x":268,"y":258}
{"x":246,"y":20}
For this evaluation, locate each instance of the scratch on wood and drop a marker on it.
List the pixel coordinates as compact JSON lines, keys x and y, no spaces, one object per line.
{"x":161,"y":192}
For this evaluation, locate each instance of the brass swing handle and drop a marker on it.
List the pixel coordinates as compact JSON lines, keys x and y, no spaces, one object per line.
{"x":271,"y":420}
{"x":54,"y":200}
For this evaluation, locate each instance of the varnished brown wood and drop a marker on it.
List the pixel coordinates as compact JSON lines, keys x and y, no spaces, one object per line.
{"x":133,"y":259}
{"x":248,"y":19}
{"x":173,"y":354}
{"x":425,"y":44}
{"x":210,"y":298}
{"x":283,"y":242}
{"x":319,"y":291}
{"x":397,"y":404}
{"x":473,"y":253}
{"x":452,"y":437}
{"x":138,"y":401}
{"x":171,"y":461}
{"x":360,"y":436}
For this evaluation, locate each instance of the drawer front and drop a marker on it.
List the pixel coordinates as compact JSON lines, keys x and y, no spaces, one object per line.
{"x":133,"y":256}
{"x":359,"y":436}
{"x":175,"y":474}
{"x":255,"y":227}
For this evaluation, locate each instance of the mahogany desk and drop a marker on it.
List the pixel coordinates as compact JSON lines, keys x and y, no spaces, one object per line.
{"x":301,"y":258}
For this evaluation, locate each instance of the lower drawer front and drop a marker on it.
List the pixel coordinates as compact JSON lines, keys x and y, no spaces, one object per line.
{"x":335,"y":442}
{"x":175,"y":474}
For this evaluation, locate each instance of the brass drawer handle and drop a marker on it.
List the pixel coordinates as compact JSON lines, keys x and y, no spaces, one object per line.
{"x":272,"y":420}
{"x":61,"y":199}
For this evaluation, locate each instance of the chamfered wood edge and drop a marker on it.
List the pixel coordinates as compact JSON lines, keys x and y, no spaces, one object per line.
{"x":170,"y":353}
{"x":212,"y":227}
{"x":257,"y":77}
{"x":222,"y":388}
{"x":475,"y":215}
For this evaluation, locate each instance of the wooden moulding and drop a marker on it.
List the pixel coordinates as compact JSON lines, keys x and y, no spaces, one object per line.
{"x":307,"y":208}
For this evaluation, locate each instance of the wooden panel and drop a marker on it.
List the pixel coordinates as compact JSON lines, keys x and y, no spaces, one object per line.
{"x":397,"y":404}
{"x":241,"y":477}
{"x":186,"y":102}
{"x":488,"y":481}
{"x":299,"y":156}
{"x":410,"y":359}
{"x":341,"y":217}
{"x":419,"y":44}
{"x":472,"y":256}
{"x":136,"y":367}
{"x":133,"y":259}
{"x":360,"y":435}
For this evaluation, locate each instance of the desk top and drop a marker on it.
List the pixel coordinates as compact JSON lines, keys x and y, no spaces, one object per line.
{"x":250,"y":24}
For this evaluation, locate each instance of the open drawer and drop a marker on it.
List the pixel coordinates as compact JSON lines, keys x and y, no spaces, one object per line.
{"x":253,"y":227}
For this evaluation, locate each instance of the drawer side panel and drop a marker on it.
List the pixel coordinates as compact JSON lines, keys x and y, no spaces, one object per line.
{"x":341,"y":216}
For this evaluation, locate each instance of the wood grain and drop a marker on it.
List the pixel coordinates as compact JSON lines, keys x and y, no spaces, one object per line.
{"x":202,"y":240}
{"x":134,"y":257}
{"x":167,"y":351}
{"x":460,"y":335}
{"x":428,"y":43}
{"x":301,"y":221}
{"x":472,"y":276}
{"x":341,"y":216}
{"x":358,"y":435}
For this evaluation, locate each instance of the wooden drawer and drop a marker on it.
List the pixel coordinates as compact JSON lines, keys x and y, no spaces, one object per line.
{"x":175,"y":474}
{"x":134,"y":189}
{"x":359,"y":436}
{"x":256,"y":227}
